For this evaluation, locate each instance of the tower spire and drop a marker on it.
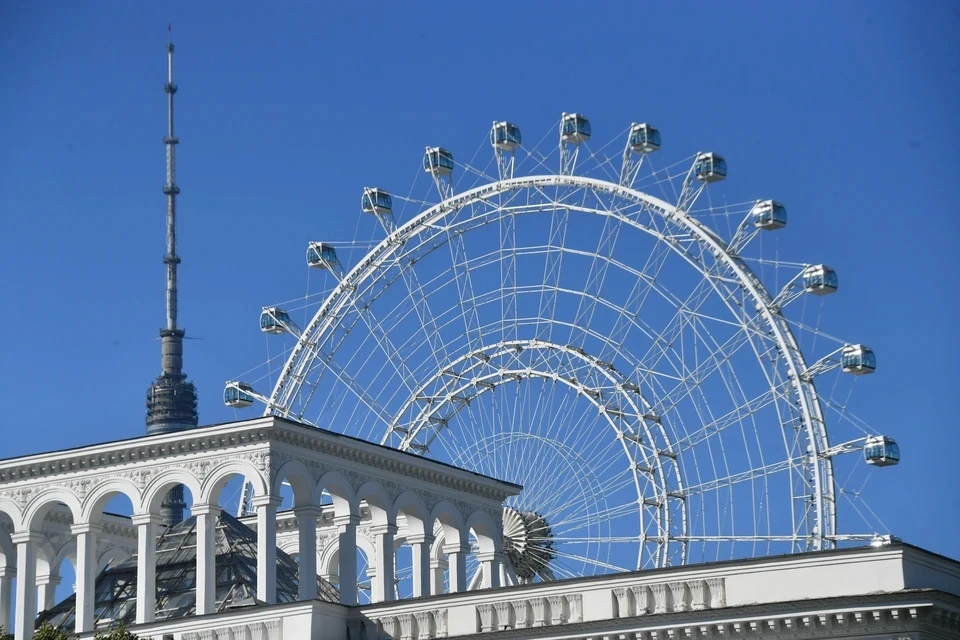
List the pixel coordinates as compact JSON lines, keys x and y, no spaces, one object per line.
{"x":171,"y":399}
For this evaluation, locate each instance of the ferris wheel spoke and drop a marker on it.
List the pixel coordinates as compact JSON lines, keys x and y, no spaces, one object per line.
{"x":508,"y":275}
{"x":596,"y":274}
{"x":589,"y":561}
{"x":554,"y":491}
{"x":458,"y":256}
{"x":713,"y":361}
{"x":575,"y":522}
{"x":551,"y":271}
{"x":745,"y":476}
{"x":636,"y":298}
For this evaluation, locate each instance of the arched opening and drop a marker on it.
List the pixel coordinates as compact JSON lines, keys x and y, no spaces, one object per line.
{"x":486,"y":544}
{"x":172,"y":572}
{"x":240,"y":550}
{"x":303,"y":508}
{"x":412,"y":554}
{"x":330,"y":568}
{"x":47,"y":526}
{"x":340,"y":505}
{"x":449,"y":551}
{"x":376,"y":508}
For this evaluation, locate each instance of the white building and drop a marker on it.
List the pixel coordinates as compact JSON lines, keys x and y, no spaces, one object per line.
{"x":349,"y":493}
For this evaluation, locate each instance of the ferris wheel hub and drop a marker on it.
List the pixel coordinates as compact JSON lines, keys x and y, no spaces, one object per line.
{"x":528,"y":544}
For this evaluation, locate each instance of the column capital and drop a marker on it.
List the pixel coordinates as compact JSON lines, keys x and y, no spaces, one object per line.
{"x":8,"y":572}
{"x":420,"y":539}
{"x":48,"y":579}
{"x":381,"y":529}
{"x":486,"y":556}
{"x":146,"y":518}
{"x":454,"y":547}
{"x":22,"y":537}
{"x":85,"y":527}
{"x":343,"y":521}
{"x":205,"y":509}
{"x":266,"y":501}
{"x":308,"y":511}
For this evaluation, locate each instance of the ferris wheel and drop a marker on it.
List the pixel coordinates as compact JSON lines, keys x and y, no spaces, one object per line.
{"x":585,"y":322}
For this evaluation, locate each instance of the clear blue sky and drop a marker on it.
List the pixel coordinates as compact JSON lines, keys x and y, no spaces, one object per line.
{"x":845,"y":111}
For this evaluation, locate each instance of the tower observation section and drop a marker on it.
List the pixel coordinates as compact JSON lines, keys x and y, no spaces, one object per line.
{"x":171,"y":399}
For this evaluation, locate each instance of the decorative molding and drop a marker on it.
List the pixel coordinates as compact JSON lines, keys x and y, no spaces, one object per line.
{"x":504,"y":611}
{"x":208,"y":446}
{"x":440,"y":620}
{"x":487,"y":614}
{"x":425,"y":625}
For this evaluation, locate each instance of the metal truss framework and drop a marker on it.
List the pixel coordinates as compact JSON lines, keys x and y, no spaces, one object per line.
{"x":431,"y":377}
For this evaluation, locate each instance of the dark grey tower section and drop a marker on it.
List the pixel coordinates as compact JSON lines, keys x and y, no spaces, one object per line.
{"x":171,"y":399}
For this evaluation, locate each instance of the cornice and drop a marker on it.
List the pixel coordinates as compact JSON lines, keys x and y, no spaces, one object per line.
{"x":104,"y":457}
{"x":124,"y":452}
{"x":397,"y":463}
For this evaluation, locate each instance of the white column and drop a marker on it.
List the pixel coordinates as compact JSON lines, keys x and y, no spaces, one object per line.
{"x":420,"y":546}
{"x":307,"y":545}
{"x":266,"y":507}
{"x":490,"y":568}
{"x":46,"y":594}
{"x":347,"y":552}
{"x":383,"y":588}
{"x":457,"y":556}
{"x":437,"y":568}
{"x":206,"y":556}
{"x":24,"y":618}
{"x":7,"y":574}
{"x":86,"y":534}
{"x":148,"y":528}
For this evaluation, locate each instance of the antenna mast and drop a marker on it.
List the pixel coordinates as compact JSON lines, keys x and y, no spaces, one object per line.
{"x":171,"y":399}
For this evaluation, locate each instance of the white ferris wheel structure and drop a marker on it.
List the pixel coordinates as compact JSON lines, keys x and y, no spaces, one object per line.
{"x":655,"y":383}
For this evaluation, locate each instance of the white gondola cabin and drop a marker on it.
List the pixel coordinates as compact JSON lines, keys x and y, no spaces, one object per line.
{"x":376,"y":201}
{"x":819,"y":279}
{"x":881,"y":451}
{"x":709,"y":167}
{"x":238,"y":395}
{"x":321,"y":255}
{"x":438,"y":161}
{"x":644,"y":138}
{"x":769,"y":215}
{"x":274,"y":320}
{"x":505,"y":136}
{"x":574,"y":128}
{"x":858,"y":359}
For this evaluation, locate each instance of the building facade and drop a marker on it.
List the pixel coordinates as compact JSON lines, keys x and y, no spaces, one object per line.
{"x":350,"y":494}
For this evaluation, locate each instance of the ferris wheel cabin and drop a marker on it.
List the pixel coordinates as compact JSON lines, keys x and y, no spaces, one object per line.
{"x":505,"y":136}
{"x":819,"y":279}
{"x":320,"y":255}
{"x":574,"y":128}
{"x":769,"y":215}
{"x":881,"y":451}
{"x":858,"y":359}
{"x":709,"y":167}
{"x":644,"y":138}
{"x":376,"y":201}
{"x":438,"y":161}
{"x":274,"y":320}
{"x":238,"y":395}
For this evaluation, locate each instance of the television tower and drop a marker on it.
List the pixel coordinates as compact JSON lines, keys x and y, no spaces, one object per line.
{"x":171,"y":399}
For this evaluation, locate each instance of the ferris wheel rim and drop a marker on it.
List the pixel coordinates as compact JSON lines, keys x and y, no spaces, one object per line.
{"x":814,"y":423}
